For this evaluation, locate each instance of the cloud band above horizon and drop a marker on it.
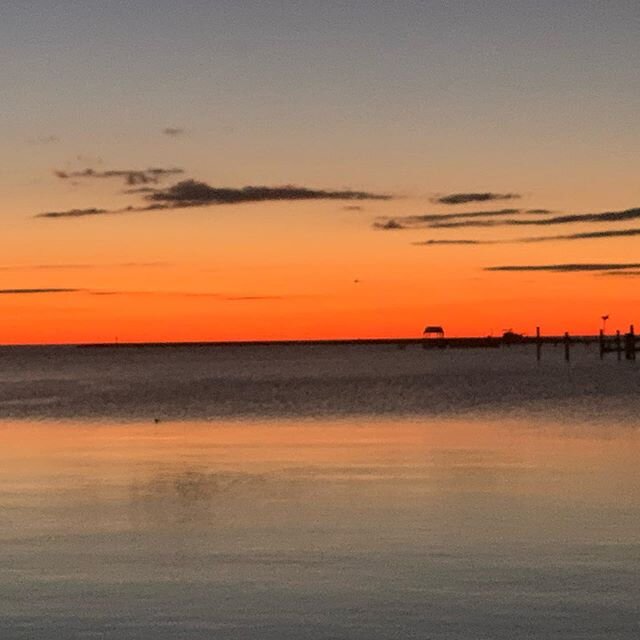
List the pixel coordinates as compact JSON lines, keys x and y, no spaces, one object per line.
{"x":191,"y":193}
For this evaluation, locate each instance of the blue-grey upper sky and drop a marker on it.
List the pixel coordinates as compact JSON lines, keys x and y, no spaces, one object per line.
{"x":388,"y":85}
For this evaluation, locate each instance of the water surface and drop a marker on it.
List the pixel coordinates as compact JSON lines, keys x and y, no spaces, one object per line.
{"x":339,"y":492}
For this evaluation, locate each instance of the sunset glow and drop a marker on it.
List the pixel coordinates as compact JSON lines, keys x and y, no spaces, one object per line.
{"x":127,"y":148}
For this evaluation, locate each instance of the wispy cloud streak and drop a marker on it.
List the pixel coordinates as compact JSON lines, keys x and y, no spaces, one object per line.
{"x":568,"y":268}
{"x":48,"y":290}
{"x":131,"y":176}
{"x":437,"y":220}
{"x":627,"y":274}
{"x":604,"y":216}
{"x":588,"y":235}
{"x":465,"y":198}
{"x":424,"y":243}
{"x":82,"y":267}
{"x":75,"y":213}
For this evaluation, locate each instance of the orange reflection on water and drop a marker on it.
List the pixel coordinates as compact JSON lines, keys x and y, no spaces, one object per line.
{"x":221,"y":523}
{"x":589,"y":460}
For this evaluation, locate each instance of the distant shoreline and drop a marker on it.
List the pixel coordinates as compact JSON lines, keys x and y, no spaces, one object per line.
{"x":427,"y":343}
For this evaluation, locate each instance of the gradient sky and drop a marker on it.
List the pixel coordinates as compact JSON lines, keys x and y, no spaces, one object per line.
{"x":414,"y":100}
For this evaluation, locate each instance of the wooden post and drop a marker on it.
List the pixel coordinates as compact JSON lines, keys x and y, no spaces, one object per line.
{"x":618,"y":344}
{"x":567,"y":342}
{"x":538,"y":345}
{"x":601,"y":344}
{"x":630,"y":345}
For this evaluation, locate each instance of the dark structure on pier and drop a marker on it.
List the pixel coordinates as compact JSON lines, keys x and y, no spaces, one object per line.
{"x":511,"y":337}
{"x":627,"y":344}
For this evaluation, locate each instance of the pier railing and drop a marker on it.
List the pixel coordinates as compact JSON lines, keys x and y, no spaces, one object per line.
{"x":618,"y":344}
{"x":627,"y":344}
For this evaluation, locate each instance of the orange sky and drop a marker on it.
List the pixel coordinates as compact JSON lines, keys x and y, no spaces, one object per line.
{"x":415,"y":102}
{"x":289,"y":271}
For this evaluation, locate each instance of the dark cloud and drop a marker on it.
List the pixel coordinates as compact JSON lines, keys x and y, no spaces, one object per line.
{"x":75,"y":213}
{"x":189,"y":193}
{"x":256,"y":298}
{"x":588,"y":235}
{"x":388,"y":225}
{"x":80,"y":213}
{"x":452,"y":242}
{"x":436,"y":220}
{"x":439,"y":217}
{"x":464,"y":224}
{"x":464,"y":198}
{"x":464,"y":216}
{"x":539,"y":211}
{"x":604,"y":216}
{"x":131,"y":177}
{"x":565,"y":268}
{"x":173,"y":131}
{"x":12,"y":292}
{"x":610,"y":233}
{"x":137,"y":190}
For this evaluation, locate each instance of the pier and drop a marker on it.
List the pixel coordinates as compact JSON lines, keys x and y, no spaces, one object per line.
{"x":619,"y":344}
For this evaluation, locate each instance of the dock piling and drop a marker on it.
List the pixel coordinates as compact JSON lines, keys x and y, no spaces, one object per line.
{"x":630,"y":344}
{"x":602,"y":344}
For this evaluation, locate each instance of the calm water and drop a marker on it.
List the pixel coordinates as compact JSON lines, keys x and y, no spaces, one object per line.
{"x":318,"y":492}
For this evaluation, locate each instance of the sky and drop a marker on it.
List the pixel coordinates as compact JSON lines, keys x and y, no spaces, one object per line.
{"x":280,"y":170}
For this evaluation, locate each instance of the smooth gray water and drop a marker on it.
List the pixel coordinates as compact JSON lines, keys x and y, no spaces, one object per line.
{"x":318,"y":492}
{"x":298,"y":381}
